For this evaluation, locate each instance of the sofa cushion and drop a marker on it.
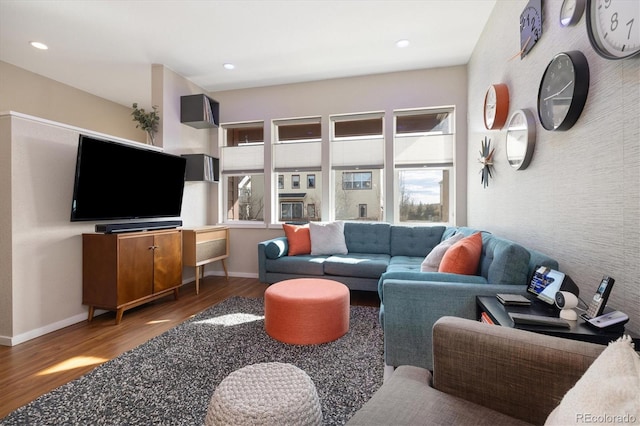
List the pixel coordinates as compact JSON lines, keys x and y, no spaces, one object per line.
{"x":298,"y":238}
{"x":414,"y":240}
{"x":432,"y":262}
{"x":364,"y":265}
{"x":503,"y":261}
{"x":303,"y":264}
{"x":367,"y":237}
{"x":406,"y":398}
{"x":607,"y":393}
{"x":327,"y":238}
{"x":276,"y":248}
{"x":463,"y":257}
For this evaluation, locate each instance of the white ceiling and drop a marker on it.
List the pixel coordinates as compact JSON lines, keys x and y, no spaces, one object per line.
{"x":107,"y":47}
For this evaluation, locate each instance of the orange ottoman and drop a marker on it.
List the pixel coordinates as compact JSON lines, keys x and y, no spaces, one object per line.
{"x":306,"y":311}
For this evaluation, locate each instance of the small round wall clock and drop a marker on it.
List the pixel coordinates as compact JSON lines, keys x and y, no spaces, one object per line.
{"x":563,"y":90}
{"x":521,"y":139}
{"x":571,"y":11}
{"x":496,"y":106}
{"x":614,"y":27}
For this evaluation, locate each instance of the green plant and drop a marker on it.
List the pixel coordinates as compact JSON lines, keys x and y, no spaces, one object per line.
{"x":147,"y":121}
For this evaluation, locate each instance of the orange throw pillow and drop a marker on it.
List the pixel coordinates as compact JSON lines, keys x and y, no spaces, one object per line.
{"x":298,"y":237}
{"x":463,"y":257}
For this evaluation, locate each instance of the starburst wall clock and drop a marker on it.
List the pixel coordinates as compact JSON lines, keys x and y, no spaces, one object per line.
{"x":486,"y":159}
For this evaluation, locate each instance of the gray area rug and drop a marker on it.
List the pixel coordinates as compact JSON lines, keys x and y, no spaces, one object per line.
{"x":169,"y":380}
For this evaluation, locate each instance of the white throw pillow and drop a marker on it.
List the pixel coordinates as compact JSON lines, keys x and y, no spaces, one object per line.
{"x":327,"y":238}
{"x":431,"y":263}
{"x":607,"y":393}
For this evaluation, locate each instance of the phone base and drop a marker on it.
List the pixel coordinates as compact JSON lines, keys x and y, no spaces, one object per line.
{"x":615,"y":318}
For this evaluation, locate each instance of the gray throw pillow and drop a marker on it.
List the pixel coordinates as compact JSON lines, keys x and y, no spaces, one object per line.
{"x":431,"y":263}
{"x":327,"y":238}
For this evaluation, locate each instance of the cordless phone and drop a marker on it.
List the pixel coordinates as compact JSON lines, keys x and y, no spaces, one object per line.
{"x":596,"y":307}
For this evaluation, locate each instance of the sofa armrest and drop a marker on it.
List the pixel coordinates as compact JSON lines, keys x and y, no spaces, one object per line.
{"x":270,"y":249}
{"x":518,"y":373}
{"x":410,"y":309}
{"x":427,"y":276}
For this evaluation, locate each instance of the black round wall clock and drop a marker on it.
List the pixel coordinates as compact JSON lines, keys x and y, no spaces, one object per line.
{"x":563,"y":90}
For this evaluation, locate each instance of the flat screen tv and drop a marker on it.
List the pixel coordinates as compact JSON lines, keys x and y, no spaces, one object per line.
{"x":118,"y":181}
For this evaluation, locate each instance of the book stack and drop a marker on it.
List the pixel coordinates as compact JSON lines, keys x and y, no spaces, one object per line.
{"x":513,"y":299}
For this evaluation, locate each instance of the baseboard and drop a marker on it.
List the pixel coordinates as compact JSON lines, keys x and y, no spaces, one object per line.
{"x":221,"y":274}
{"x":32,"y":334}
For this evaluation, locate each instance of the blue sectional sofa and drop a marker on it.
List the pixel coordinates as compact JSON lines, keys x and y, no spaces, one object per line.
{"x":387,"y":258}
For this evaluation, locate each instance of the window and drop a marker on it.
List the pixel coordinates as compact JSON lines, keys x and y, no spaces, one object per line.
{"x":242,"y":165}
{"x":311,"y":181}
{"x":362,"y":208}
{"x":280,"y":181}
{"x":291,"y":211}
{"x":296,"y":149}
{"x":423,"y":145}
{"x":423,"y":195}
{"x":357,"y":162}
{"x":311,"y":211}
{"x":356,"y":180}
{"x":245,"y":198}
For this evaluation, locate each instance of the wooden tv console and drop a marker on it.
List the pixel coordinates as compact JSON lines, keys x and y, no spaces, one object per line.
{"x":125,"y":270}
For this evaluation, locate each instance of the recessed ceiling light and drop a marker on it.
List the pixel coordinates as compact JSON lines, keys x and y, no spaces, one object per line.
{"x":228,"y":66}
{"x":402,"y":43}
{"x":38,"y":45}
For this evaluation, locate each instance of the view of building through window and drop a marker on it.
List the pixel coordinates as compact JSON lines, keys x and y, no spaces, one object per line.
{"x":244,"y":191}
{"x":422,"y":166}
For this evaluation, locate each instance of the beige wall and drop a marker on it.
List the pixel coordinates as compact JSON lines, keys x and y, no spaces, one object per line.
{"x":6,"y":280}
{"x":43,"y":290}
{"x":28,"y":93}
{"x":40,"y":249}
{"x":579,"y":200}
{"x":382,"y":92}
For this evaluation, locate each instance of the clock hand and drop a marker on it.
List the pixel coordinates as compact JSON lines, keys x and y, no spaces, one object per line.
{"x":558,"y":92}
{"x":526,"y":43}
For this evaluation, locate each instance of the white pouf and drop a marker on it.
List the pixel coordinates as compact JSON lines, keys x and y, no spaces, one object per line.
{"x":271,"y":393}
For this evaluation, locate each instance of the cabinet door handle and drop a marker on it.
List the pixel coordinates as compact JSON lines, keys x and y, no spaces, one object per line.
{"x":153,"y":247}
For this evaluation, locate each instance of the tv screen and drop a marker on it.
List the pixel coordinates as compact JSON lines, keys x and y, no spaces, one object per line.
{"x":118,"y":181}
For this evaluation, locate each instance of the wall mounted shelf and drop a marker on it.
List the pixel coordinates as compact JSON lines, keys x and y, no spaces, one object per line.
{"x":199,"y":111}
{"x":202,"y":168}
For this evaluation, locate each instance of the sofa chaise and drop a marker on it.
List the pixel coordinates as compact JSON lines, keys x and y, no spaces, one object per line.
{"x":491,"y":375}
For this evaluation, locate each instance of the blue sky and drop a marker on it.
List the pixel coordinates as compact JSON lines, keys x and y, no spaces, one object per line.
{"x":422,"y":185}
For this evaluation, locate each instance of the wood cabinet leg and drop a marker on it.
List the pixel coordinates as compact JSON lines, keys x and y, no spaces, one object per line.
{"x":198,"y":279}
{"x":119,"y":313}
{"x":91,"y":311}
{"x":224,"y":266}
{"x":175,"y":293}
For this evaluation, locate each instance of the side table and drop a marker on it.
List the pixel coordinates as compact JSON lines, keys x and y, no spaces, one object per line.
{"x":204,"y":245}
{"x":498,"y":314}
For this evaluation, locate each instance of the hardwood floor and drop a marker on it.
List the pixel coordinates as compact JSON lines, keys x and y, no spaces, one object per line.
{"x":37,"y":366}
